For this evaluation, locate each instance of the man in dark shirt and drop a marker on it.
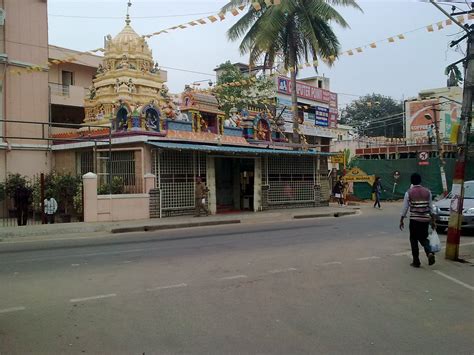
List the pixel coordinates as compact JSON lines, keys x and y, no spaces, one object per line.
{"x":201,"y":198}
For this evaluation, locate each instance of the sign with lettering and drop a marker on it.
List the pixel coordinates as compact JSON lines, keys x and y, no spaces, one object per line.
{"x":322,"y":116}
{"x":307,"y":92}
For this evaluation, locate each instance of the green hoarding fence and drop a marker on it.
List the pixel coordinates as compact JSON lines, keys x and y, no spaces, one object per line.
{"x":385,"y":169}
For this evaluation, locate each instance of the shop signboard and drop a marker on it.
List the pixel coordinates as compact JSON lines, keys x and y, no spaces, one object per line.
{"x":307,"y":92}
{"x":322,"y":116}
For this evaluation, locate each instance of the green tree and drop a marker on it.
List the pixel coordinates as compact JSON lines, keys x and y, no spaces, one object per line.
{"x":254,"y":92}
{"x":294,"y":30}
{"x":375,"y":115}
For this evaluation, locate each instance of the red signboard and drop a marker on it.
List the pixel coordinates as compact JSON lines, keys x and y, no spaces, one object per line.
{"x":421,"y":163}
{"x":308,"y":92}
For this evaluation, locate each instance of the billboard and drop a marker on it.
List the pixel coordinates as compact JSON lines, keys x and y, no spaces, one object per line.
{"x":306,"y":91}
{"x":417,"y":125}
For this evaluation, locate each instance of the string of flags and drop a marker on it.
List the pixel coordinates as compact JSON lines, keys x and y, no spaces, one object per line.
{"x":221,"y":16}
{"x":438,"y":26}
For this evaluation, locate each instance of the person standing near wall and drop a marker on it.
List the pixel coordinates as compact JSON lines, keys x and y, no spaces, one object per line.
{"x":201,"y":198}
{"x":377,"y":191}
{"x":338,"y":191}
{"x":50,"y":208}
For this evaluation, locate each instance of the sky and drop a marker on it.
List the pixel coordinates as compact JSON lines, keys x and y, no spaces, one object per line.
{"x":399,"y":69}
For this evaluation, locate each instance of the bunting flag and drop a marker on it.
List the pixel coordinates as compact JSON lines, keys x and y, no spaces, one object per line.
{"x":401,"y":36}
{"x":391,"y":39}
{"x":440,"y":25}
{"x":359,"y":50}
{"x":256,"y":6}
{"x":373,"y":45}
{"x":449,"y":22}
{"x":268,"y":2}
{"x":460,"y":19}
{"x":234,"y":12}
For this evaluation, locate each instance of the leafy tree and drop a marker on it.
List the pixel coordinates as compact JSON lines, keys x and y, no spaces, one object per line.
{"x":294,"y":30}
{"x":255,"y":91}
{"x":375,"y":115}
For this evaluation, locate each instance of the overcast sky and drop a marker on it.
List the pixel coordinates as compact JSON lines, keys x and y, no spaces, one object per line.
{"x":399,"y":69}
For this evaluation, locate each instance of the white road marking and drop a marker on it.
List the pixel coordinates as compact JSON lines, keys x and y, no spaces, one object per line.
{"x":75,"y":265}
{"x":469,"y":287}
{"x":369,"y":258}
{"x":166,"y":287}
{"x":278,"y":271}
{"x":233,"y":277}
{"x":92,"y":298}
{"x":332,"y":263}
{"x":83,"y":255}
{"x":12,"y":309}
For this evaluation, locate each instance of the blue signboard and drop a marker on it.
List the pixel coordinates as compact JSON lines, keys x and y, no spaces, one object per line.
{"x":322,"y":116}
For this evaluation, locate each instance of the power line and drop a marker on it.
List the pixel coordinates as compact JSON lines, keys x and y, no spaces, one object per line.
{"x":134,"y":17}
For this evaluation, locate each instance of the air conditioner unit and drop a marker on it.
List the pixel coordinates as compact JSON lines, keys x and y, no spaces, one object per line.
{"x":2,"y":17}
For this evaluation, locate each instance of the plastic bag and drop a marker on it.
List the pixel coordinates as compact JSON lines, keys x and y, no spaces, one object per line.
{"x":435,"y":244}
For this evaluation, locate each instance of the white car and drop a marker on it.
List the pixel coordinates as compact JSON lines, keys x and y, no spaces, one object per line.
{"x":442,"y":209}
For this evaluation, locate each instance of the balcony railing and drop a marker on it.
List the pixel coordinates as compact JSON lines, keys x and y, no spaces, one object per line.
{"x":59,"y":89}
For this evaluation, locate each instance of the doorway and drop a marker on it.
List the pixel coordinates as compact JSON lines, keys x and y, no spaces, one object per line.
{"x":234,"y":184}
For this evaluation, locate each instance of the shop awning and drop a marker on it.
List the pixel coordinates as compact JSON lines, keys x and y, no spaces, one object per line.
{"x":234,"y":149}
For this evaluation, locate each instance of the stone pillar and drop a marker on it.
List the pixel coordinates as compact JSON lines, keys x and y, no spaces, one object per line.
{"x":257,"y":189}
{"x":150,"y":182}
{"x":211,"y":184}
{"x":89,"y":182}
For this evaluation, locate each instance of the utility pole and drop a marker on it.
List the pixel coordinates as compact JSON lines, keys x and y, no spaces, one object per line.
{"x":439,"y":148}
{"x":457,"y":202}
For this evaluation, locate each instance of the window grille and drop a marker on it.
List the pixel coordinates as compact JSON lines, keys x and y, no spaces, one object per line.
{"x":86,"y":162}
{"x":122,"y":174}
{"x":290,"y":180}
{"x":176,"y":173}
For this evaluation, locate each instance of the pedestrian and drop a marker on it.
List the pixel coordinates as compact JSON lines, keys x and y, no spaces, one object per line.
{"x":429,"y":132}
{"x":418,"y":200}
{"x":201,"y":198}
{"x":338,"y":191}
{"x":21,"y":199}
{"x":377,"y":191}
{"x":50,"y":208}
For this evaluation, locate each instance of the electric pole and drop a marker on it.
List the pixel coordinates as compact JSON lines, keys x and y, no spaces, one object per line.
{"x":457,"y":201}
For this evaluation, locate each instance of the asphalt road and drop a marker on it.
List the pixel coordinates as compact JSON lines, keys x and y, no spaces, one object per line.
{"x":320,"y":286}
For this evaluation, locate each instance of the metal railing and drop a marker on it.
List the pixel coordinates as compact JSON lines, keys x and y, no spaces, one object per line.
{"x":59,"y":89}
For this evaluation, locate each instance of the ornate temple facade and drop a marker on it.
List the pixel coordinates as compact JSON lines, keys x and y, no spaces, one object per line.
{"x":134,"y":129}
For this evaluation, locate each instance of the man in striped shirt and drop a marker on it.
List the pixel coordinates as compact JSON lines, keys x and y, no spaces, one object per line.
{"x":419,"y":201}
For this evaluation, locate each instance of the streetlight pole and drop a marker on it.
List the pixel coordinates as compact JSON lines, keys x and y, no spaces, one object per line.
{"x":439,"y":148}
{"x":457,"y":202}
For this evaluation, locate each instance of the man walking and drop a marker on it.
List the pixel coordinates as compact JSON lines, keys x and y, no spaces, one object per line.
{"x":200,"y":198}
{"x":22,"y":198}
{"x":418,"y":201}
{"x":50,"y":208}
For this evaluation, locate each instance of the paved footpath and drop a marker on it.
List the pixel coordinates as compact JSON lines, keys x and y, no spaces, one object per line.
{"x":70,"y":231}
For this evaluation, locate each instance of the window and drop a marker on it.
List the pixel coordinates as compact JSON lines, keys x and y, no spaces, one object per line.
{"x":67,"y":78}
{"x":320,"y":84}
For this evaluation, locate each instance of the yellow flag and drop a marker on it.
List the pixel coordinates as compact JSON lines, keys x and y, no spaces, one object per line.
{"x":292,"y":70}
{"x":201,"y":21}
{"x":332,"y":58}
{"x":256,"y":6}
{"x":182,"y":26}
{"x":268,"y":2}
{"x":300,"y":66}
{"x":192,"y":23}
{"x":234,"y":12}
{"x":373,"y":45}
{"x":440,"y":25}
{"x":221,"y":16}
{"x":307,"y":64}
{"x":350,"y":52}
{"x":254,"y":79}
{"x":401,"y":36}
{"x":454,"y":133}
{"x":212,"y":18}
{"x":241,"y":7}
{"x":315,"y":63}
{"x":244,"y":82}
{"x":391,"y":39}
{"x":460,"y":19}
{"x":430,"y":28}
{"x":359,"y":50}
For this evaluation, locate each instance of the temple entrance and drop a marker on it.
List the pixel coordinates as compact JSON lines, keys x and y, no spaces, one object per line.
{"x":234,"y":184}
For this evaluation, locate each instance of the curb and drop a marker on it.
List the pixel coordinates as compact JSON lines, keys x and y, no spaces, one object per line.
{"x":173,"y":226}
{"x":320,"y":215}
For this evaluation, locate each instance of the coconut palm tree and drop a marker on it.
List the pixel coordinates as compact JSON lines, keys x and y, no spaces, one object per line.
{"x":295,"y":30}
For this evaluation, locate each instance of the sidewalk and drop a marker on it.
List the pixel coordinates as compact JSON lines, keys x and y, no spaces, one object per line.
{"x":95,"y":229}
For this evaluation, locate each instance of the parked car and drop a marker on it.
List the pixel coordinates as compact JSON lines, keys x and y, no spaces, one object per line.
{"x":442,"y":208}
